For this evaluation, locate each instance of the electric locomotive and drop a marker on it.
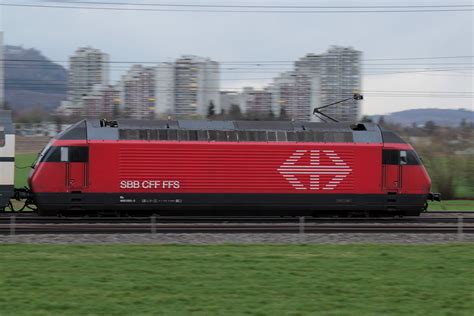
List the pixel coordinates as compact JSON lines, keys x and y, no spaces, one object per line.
{"x":186,"y":167}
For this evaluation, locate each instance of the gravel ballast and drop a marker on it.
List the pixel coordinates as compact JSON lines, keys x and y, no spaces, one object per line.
{"x":202,"y":239}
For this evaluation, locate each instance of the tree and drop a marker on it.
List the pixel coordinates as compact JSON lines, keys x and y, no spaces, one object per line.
{"x":116,"y":109}
{"x":5,"y":105}
{"x":381,"y":120}
{"x":33,"y":115}
{"x":271,"y":115}
{"x":59,"y":121}
{"x":469,"y":175}
{"x":466,"y":125}
{"x":443,"y":173}
{"x":283,"y":114}
{"x":430,"y":127}
{"x":234,"y":112}
{"x":211,"y":110}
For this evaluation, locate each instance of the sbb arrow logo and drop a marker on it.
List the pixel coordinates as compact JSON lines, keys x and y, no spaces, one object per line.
{"x":324,"y":169}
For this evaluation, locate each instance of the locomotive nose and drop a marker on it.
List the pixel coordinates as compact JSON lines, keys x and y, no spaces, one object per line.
{"x":431,"y":196}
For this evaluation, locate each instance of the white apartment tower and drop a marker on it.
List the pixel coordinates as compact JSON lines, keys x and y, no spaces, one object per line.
{"x":228,"y":99}
{"x":138,"y":92}
{"x":340,"y":77}
{"x":164,"y":94}
{"x":307,"y":79}
{"x":196,"y":84}
{"x":102,"y":102}
{"x":256,"y":102}
{"x":283,"y":91}
{"x":87,"y":67}
{"x":318,"y":80}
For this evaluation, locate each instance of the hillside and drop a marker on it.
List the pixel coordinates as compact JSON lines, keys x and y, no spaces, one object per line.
{"x":443,"y":117}
{"x":31,"y":79}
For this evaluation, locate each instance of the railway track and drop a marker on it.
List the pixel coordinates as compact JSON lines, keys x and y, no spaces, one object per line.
{"x":431,"y":217}
{"x":432,"y":222}
{"x":114,"y":225}
{"x":10,"y":229}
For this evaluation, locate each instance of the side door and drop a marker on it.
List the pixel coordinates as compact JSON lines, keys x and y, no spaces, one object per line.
{"x":77,"y":167}
{"x":392,"y":170}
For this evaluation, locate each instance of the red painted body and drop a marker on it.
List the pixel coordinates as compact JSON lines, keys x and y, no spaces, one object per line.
{"x":227,"y":167}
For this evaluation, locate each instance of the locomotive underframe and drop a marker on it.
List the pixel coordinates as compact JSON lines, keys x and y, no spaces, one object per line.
{"x":229,"y":204}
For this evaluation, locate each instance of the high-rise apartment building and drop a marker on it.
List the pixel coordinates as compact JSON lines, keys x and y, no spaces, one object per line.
{"x":138,"y":88}
{"x":284,"y":96}
{"x":318,"y":80}
{"x":196,"y":86}
{"x":87,"y":67}
{"x":228,"y":100}
{"x":295,"y":93}
{"x":340,"y":76}
{"x":256,"y":102}
{"x":306,"y":87}
{"x":102,"y":102}
{"x":164,"y":104}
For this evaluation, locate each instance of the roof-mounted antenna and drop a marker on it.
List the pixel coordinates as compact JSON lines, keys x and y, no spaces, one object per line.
{"x":106,"y":123}
{"x":317,"y":111}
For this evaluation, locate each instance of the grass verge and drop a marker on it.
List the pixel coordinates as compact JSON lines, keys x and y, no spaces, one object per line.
{"x":235,"y":280}
{"x":452,"y":205}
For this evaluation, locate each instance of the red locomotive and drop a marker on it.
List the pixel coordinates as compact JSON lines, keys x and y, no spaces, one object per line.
{"x":228,"y":168}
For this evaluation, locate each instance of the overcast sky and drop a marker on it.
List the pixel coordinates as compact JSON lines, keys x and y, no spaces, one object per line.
{"x":163,"y":36}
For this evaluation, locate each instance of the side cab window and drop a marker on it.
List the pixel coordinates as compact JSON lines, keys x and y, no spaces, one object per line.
{"x":67,"y":154}
{"x":400,"y":157}
{"x":403,"y":157}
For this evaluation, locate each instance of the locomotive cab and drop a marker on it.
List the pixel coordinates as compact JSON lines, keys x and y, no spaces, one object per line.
{"x":62,"y":167}
{"x":404,"y":178}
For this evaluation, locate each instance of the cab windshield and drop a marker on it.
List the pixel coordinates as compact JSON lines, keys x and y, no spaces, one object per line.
{"x":42,"y":154}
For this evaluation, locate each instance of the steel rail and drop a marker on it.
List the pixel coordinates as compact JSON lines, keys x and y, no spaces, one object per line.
{"x":231,"y":219}
{"x":18,"y":228}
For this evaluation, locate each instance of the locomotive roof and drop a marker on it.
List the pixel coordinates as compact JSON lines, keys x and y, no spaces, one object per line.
{"x":227,"y":131}
{"x":231,"y":125}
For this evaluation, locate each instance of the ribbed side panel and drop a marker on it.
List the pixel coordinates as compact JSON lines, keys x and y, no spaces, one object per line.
{"x":218,"y":168}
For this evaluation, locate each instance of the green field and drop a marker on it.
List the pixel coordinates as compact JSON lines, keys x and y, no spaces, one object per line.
{"x":23,"y":161}
{"x":237,"y":280}
{"x":452,"y":205}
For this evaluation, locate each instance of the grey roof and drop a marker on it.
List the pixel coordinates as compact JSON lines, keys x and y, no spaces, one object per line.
{"x":146,"y":129}
{"x":236,"y":125}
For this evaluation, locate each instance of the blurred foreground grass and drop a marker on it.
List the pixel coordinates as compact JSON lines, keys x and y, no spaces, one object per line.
{"x":237,"y":280}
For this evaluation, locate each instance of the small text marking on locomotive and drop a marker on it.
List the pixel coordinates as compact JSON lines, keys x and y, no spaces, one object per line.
{"x":150,"y":184}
